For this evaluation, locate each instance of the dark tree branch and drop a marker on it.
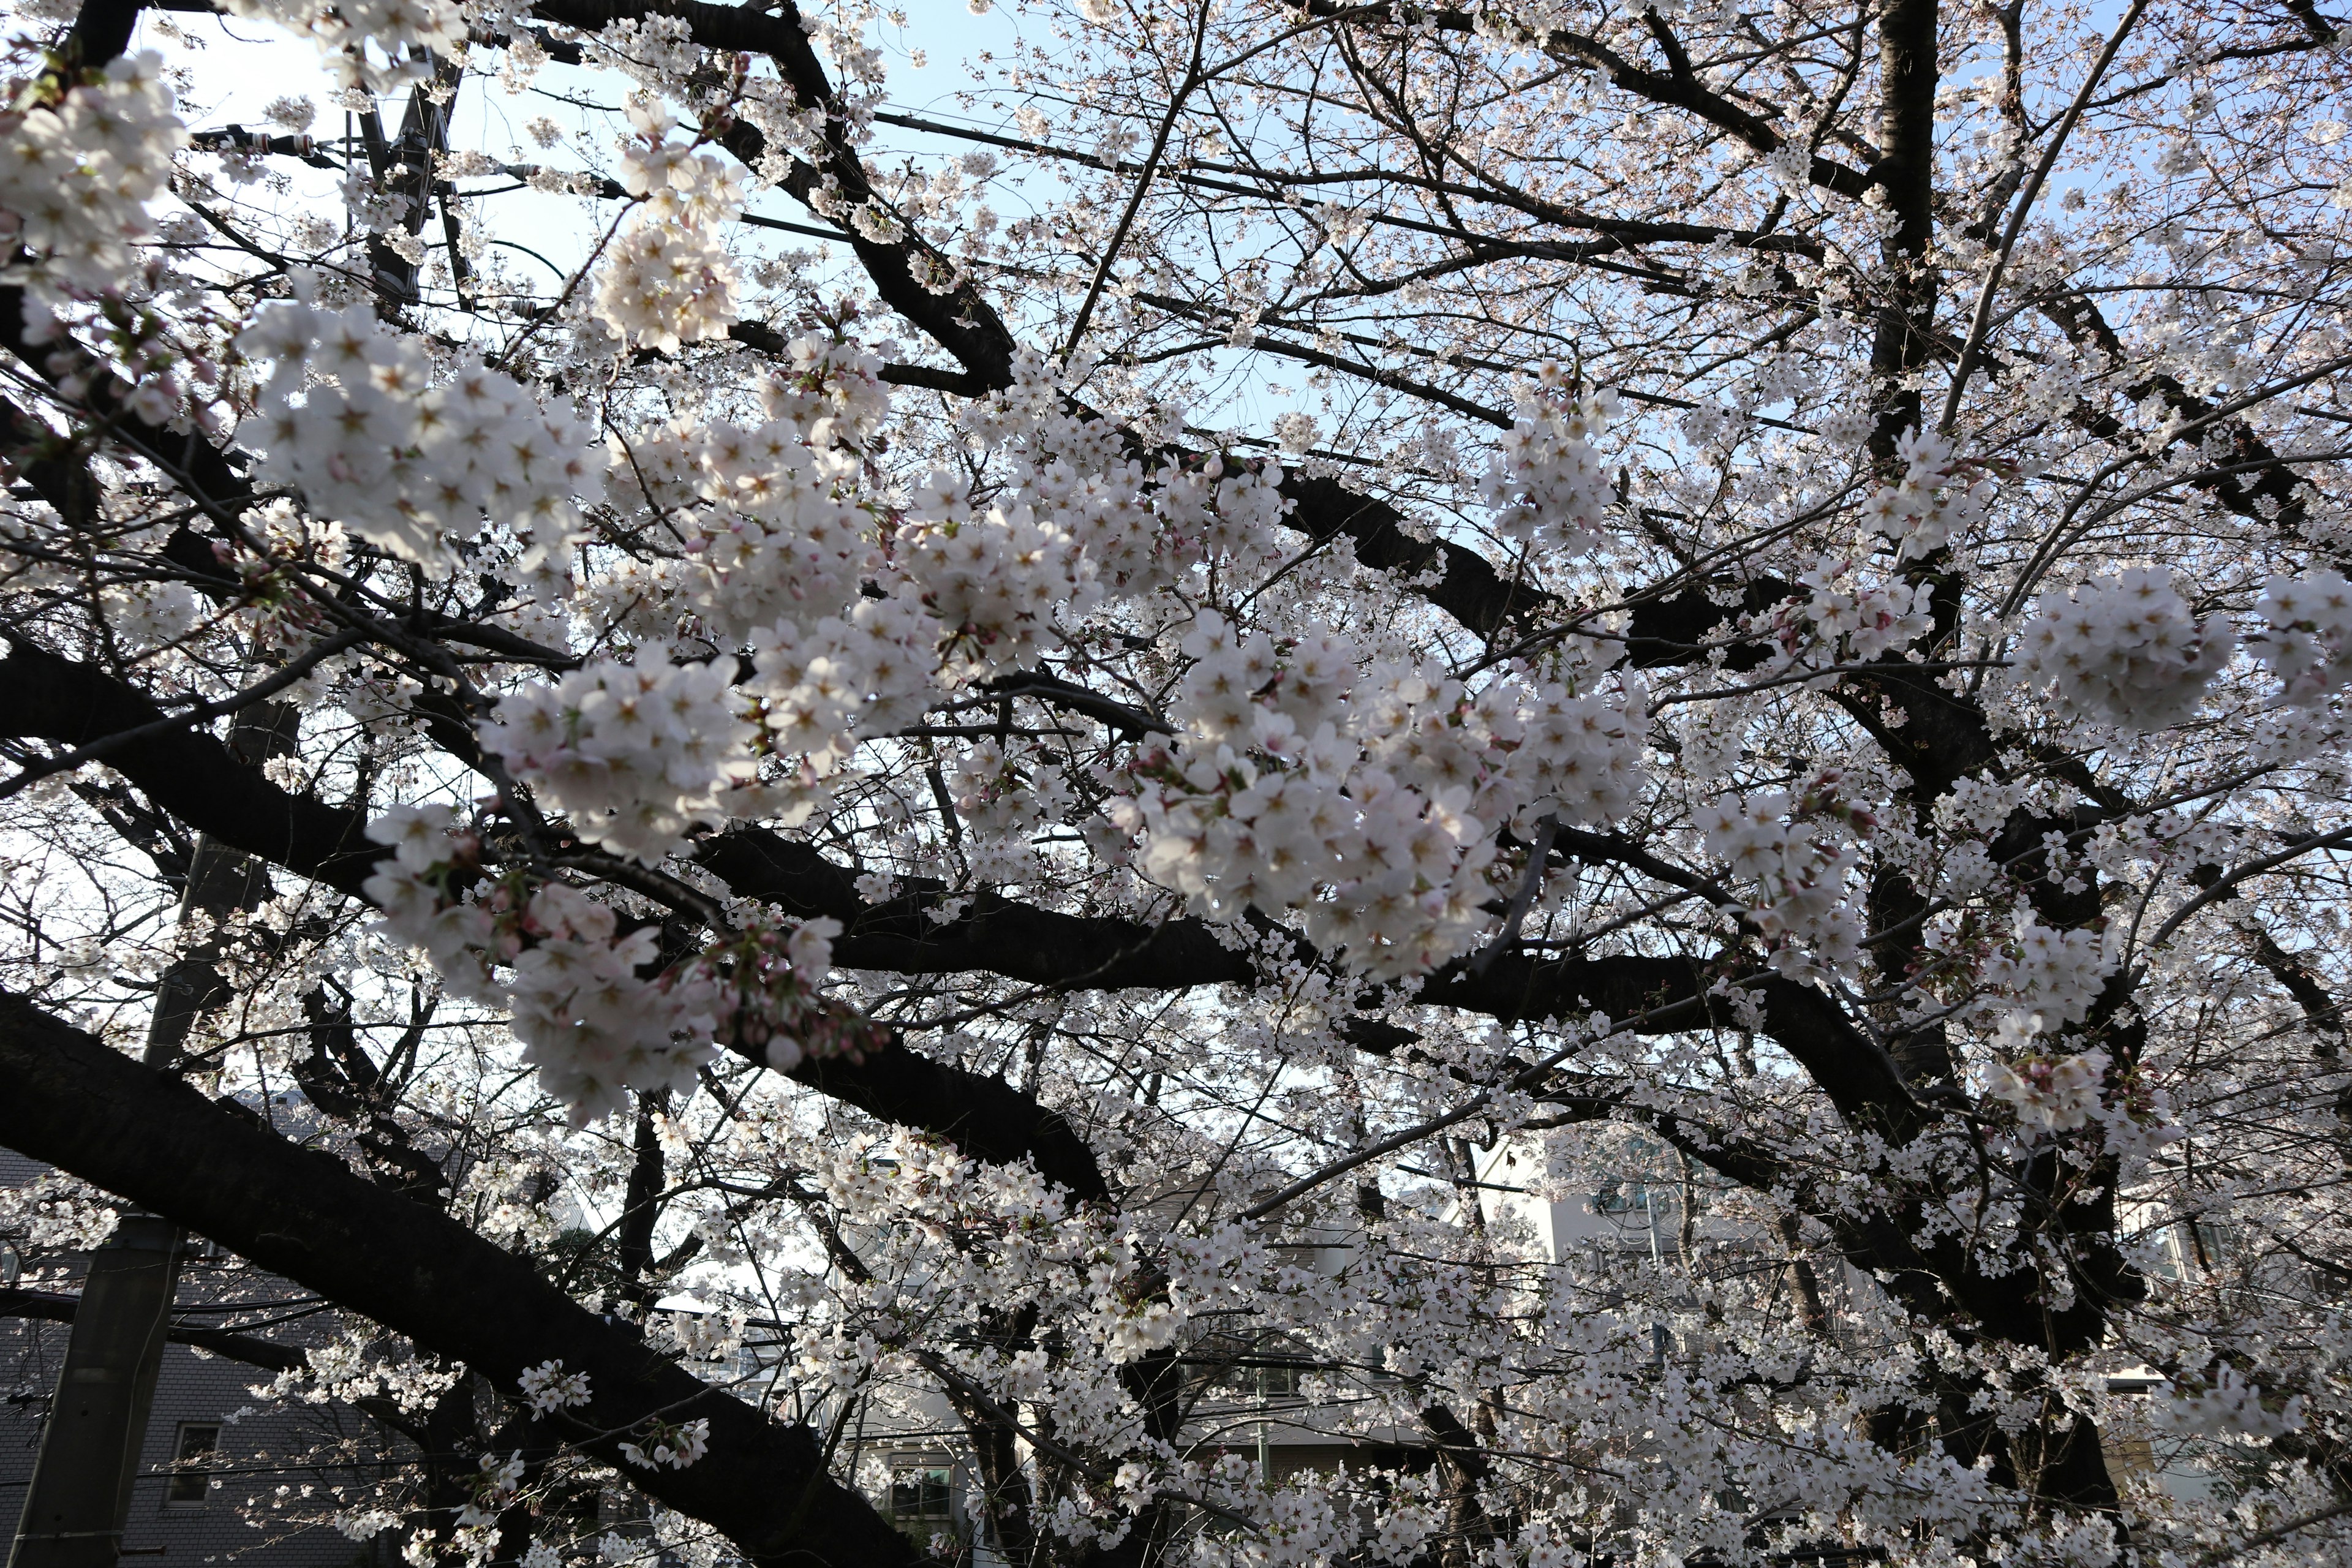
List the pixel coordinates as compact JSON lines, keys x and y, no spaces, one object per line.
{"x":959,"y":319}
{"x":67,"y":1098}
{"x":250,"y":1349}
{"x":2252,"y":482}
{"x":189,"y":773}
{"x":1680,"y":89}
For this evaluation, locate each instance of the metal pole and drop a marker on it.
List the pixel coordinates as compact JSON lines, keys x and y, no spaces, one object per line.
{"x":1265,"y":1432}
{"x":80,"y":1492}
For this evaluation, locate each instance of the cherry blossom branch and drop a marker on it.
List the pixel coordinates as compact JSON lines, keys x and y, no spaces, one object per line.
{"x":1981,"y":320}
{"x":69,"y":1100}
{"x":1200,"y":174}
{"x":939,"y":1367}
{"x":1118,"y":241}
{"x":2277,"y":1532}
{"x":1282,"y":1197}
{"x":250,"y":1349}
{"x":2222,"y":888}
{"x":1682,"y":89}
{"x":193,"y":777}
{"x":2061,"y":533}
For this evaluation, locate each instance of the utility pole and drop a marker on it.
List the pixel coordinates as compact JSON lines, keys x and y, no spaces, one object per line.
{"x":80,"y":1491}
{"x":78,"y":1500}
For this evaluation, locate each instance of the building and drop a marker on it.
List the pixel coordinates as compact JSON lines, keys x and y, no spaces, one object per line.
{"x":222,"y":1476}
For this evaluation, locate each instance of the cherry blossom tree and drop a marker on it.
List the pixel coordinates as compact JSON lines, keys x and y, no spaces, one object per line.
{"x":1017,"y":740}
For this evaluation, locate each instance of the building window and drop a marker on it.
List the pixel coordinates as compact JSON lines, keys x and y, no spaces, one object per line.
{"x":1620,"y":1197}
{"x":921,"y":1500}
{"x":192,"y":1464}
{"x":1277,"y":1382}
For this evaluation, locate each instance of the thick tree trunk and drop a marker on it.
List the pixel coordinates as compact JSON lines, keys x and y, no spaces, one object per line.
{"x":1902,"y":337}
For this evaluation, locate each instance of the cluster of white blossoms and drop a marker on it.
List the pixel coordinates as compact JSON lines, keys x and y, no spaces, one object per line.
{"x":587,"y":1021}
{"x":592,"y":1027}
{"x":2222,"y":1404}
{"x":1231,"y":835}
{"x":2122,"y":651}
{"x":351,"y":413}
{"x":781,"y":538}
{"x":1312,"y":776}
{"x":1789,"y":848}
{"x":591,"y":1018}
{"x":1402,"y":1530}
{"x":1848,"y":618}
{"x":634,"y":756}
{"x":2050,"y":1095}
{"x":1404,"y":875}
{"x":413,"y":890}
{"x":365,"y":1524}
{"x":1143,"y":527}
{"x":2052,"y":974}
{"x":676,"y":1447}
{"x":997,"y":580}
{"x":1130,"y":1329}
{"x":764,"y":986}
{"x":859,"y":608}
{"x":1142,"y":530}
{"x":2310,"y":640}
{"x":406,"y":36}
{"x":495,"y":1483}
{"x":1929,"y":506}
{"x":833,"y":391}
{"x":870,"y":670}
{"x":856,"y":609}
{"x":1112,"y":516}
{"x":548,"y":1388}
{"x":785,"y":538}
{"x":76,"y":176}
{"x":1548,"y":485}
{"x":148,"y":615}
{"x":666,"y":278}
{"x":354,"y":1367}
{"x":1576,"y":758}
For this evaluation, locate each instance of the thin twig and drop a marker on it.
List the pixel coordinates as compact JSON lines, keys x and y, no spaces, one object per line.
{"x":201,"y":713}
{"x":1981,"y":320}
{"x":1193,"y":79}
{"x":1529,"y":884}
